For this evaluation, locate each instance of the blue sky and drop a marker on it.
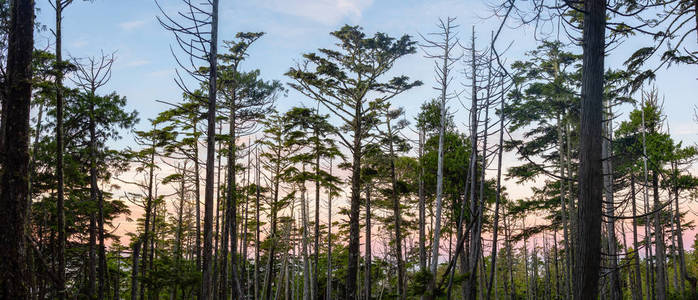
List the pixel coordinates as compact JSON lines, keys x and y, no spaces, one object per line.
{"x":144,"y":69}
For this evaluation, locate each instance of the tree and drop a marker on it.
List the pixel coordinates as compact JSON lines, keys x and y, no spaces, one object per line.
{"x":276,"y":161}
{"x":444,"y":62}
{"x":197,"y":37}
{"x":314,"y":132}
{"x":14,"y":167}
{"x":341,"y":80}
{"x":248,"y":98}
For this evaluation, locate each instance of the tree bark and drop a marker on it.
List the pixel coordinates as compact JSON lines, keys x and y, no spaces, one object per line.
{"x":14,"y":171}
{"x":590,"y":175}
{"x":355,"y":205}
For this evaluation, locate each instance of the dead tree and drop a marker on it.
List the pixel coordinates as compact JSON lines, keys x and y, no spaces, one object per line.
{"x":196,"y":33}
{"x":90,"y":76}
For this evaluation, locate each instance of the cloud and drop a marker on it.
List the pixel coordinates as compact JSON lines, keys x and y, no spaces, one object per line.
{"x":137,"y":63}
{"x":79,"y":43}
{"x":130,"y":25}
{"x":328,"y":12}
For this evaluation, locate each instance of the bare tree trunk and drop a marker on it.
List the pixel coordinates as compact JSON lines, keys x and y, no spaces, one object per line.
{"x":329,"y":239}
{"x":269,"y":276}
{"x":565,"y":229}
{"x":256,"y":237}
{"x":60,"y":207}
{"x":422,"y":200}
{"x":470,"y":255}
{"x":146,"y":222}
{"x":307,"y":291}
{"x":607,"y":166}
{"x":15,"y":277}
{"x":367,"y":259}
{"x":207,"y":281}
{"x":659,"y":241}
{"x":401,"y":292}
{"x":316,"y":254}
{"x":649,"y":278}
{"x":498,"y":196}
{"x":590,"y":175}
{"x":637,"y":291}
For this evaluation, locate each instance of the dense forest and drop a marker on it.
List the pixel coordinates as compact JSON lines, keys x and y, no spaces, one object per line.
{"x":228,"y":194}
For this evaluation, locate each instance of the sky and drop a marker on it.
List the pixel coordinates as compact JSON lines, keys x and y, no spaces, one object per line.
{"x":144,"y":69}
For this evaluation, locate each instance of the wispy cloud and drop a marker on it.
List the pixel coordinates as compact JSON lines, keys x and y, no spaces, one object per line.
{"x":327,"y":12}
{"x":137,"y":63}
{"x":130,"y":25}
{"x":79,"y":43}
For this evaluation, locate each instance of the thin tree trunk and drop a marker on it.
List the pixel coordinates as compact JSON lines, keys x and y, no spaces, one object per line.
{"x":207,"y":281}
{"x":468,"y":289}
{"x":329,"y":239}
{"x":269,"y":276}
{"x":637,"y":291}
{"x":60,"y":207}
{"x":134,"y":269}
{"x":316,"y":258}
{"x":307,"y":291}
{"x":367,"y":243}
{"x":565,"y":229}
{"x":659,"y":241}
{"x":146,"y":223}
{"x":401,"y":292}
{"x":498,"y":196}
{"x":607,"y":165}
{"x":422,"y":200}
{"x":256,"y":237}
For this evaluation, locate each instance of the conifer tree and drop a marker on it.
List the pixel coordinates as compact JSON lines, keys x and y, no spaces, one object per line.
{"x":341,"y":80}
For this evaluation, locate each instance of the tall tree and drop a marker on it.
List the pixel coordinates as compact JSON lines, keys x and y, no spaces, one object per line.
{"x":58,"y":6}
{"x":14,"y":160}
{"x":197,"y":37}
{"x":341,"y":81}
{"x":445,"y":58}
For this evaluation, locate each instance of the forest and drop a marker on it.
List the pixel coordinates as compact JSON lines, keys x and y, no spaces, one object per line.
{"x":542,"y":173}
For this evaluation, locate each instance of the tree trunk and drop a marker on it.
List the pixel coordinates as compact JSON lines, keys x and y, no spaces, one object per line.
{"x":469,"y":266}
{"x":206,"y":284}
{"x":14,"y":172}
{"x":307,"y":291}
{"x":607,"y":166}
{"x":661,"y":284}
{"x":134,"y":269}
{"x":637,"y":291}
{"x":269,"y":276}
{"x":401,"y":292}
{"x":367,"y":243}
{"x":495,"y":223}
{"x":60,"y":207}
{"x":355,"y":206}
{"x":590,"y":175}
{"x":422,"y":200}
{"x":329,"y":239}
{"x":316,"y":258}
{"x":146,"y":222}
